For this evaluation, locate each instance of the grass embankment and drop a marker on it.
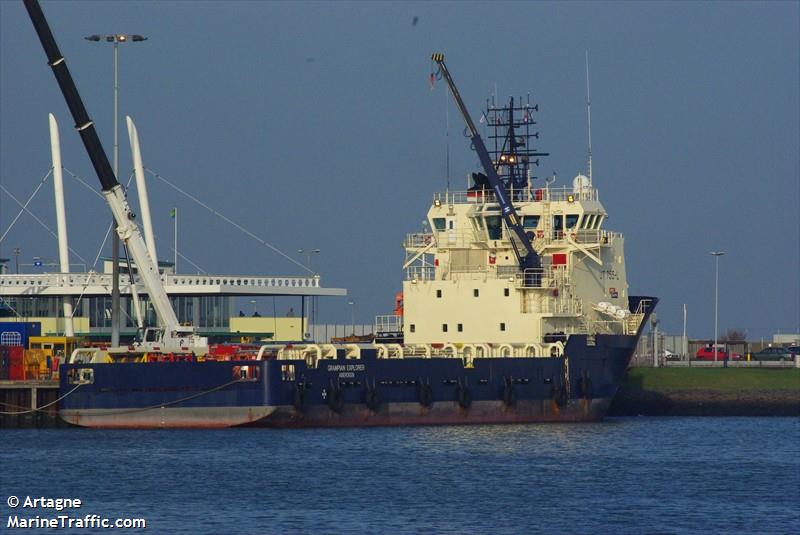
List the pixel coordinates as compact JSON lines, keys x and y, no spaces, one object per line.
{"x":708,"y":392}
{"x":718,"y":379}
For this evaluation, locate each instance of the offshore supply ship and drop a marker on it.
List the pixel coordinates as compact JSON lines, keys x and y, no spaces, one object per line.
{"x":515,"y":308}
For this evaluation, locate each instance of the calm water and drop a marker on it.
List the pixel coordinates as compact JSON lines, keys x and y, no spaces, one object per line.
{"x":628,"y":475}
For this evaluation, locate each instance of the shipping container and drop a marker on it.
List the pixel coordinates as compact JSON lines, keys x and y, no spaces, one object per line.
{"x":18,"y":333}
{"x":16,"y":363}
{"x":3,"y":363}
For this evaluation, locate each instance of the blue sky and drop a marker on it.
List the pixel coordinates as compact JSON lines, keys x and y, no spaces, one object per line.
{"x":313,"y":125}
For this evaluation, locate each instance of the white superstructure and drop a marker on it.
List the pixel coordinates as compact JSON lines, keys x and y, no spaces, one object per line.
{"x":463,"y":283}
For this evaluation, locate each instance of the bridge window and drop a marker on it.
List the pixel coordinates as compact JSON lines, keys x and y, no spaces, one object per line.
{"x":530,"y":221}
{"x":444,"y":327}
{"x":439,"y":223}
{"x":439,"y":294}
{"x":506,"y":292}
{"x":572,"y":220}
{"x":502,"y":326}
{"x":412,"y":328}
{"x":476,"y":292}
{"x":494,"y":227}
{"x":460,"y":327}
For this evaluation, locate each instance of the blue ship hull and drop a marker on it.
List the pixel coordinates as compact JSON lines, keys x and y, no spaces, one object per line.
{"x":368,"y":391}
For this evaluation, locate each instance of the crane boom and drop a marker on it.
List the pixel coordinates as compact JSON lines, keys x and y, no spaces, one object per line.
{"x":526,"y":255}
{"x":174,"y":336}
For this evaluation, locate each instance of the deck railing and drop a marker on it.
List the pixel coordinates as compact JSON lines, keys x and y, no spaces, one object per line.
{"x":563,"y":193}
{"x":81,"y":280}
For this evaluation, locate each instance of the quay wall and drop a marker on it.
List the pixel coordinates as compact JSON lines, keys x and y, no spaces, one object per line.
{"x":708,"y":392}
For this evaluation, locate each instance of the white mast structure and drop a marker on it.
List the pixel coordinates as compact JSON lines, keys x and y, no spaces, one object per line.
{"x":141,"y":188}
{"x":61,"y":220}
{"x":589,"y":115}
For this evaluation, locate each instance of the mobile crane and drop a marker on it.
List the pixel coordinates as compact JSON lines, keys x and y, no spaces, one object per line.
{"x":528,"y":260}
{"x":170,"y":336}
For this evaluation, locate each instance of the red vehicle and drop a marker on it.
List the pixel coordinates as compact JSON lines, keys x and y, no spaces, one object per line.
{"x":707,"y":353}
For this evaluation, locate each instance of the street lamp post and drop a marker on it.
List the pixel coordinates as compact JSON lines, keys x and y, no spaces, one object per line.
{"x":308,"y":253}
{"x":353,"y":315}
{"x":716,"y":255}
{"x":115,"y":39}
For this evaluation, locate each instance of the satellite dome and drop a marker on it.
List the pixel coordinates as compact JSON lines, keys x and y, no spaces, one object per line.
{"x":580,"y":183}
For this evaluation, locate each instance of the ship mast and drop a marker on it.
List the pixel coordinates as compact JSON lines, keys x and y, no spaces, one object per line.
{"x":512,"y":133}
{"x":589,"y":117}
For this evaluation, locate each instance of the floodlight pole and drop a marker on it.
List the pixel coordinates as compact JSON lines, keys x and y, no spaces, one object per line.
{"x":716,"y":255}
{"x":115,"y":39}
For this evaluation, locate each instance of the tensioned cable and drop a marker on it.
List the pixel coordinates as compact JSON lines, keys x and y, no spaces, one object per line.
{"x":38,"y":409}
{"x":93,"y":190}
{"x":176,"y":401}
{"x":228,"y":220}
{"x":171,"y":248}
{"x":8,"y":304}
{"x":111,"y":225}
{"x":82,"y":181}
{"x":34,"y":216}
{"x":25,"y":207}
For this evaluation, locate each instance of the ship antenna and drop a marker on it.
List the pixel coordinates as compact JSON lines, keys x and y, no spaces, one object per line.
{"x":589,"y":116}
{"x":447,"y":139}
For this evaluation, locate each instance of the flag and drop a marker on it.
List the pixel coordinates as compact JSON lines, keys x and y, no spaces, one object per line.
{"x":432,"y":80}
{"x":173,"y":213}
{"x":483,"y":118}
{"x":525,"y":117}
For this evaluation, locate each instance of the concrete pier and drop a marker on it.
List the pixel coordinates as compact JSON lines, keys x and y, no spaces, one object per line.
{"x":20,"y":403}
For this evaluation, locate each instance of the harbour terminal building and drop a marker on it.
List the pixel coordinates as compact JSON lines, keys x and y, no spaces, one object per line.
{"x":205,"y":301}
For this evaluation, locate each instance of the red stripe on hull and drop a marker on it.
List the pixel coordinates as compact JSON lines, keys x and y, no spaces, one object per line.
{"x":395,"y":414}
{"x":165,"y":418}
{"x":441,"y":413}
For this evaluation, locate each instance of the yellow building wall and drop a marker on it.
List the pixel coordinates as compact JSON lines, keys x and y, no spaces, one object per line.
{"x":284,"y":328}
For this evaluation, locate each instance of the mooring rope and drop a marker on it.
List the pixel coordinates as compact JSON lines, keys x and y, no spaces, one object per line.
{"x":126,"y":411}
{"x":175,"y":402}
{"x":38,"y":409}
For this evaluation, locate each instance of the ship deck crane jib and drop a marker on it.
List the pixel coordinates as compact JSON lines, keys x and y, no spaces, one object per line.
{"x":174,"y":337}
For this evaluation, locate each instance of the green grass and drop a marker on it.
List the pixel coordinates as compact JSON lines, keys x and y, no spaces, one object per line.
{"x":713,"y":379}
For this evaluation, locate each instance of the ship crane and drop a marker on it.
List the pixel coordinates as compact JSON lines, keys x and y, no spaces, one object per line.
{"x":523,"y":248}
{"x":170,"y":337}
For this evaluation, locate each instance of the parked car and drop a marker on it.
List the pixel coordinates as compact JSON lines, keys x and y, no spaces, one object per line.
{"x":707,"y":353}
{"x":772,"y":353}
{"x":794,"y":350}
{"x":669,"y":355}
